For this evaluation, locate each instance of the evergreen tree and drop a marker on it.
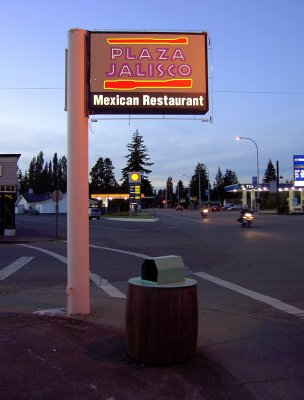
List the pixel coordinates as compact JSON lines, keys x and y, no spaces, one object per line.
{"x":230,"y":178}
{"x":32,"y":175}
{"x":219,"y":185}
{"x":23,"y":181}
{"x":137,"y":161}
{"x":102,"y":179}
{"x":55,"y":172}
{"x":36,"y":175}
{"x":62,"y":174}
{"x":44,"y":177}
{"x":110,"y":182}
{"x":180,"y":191}
{"x":97,"y":177}
{"x":41,"y":174}
{"x":199,"y":181}
{"x":270,"y":173}
{"x":45,"y":180}
{"x":169,"y":191}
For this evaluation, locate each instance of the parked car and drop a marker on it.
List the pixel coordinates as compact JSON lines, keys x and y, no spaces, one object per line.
{"x":94,"y":212}
{"x":227,"y":206}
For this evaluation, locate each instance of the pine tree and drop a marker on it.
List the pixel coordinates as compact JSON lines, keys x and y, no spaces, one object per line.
{"x":199,"y":181}
{"x":102,"y":179}
{"x":62,"y":174}
{"x":270,"y":173}
{"x":54,"y":171}
{"x":169,"y":192}
{"x":180,"y":191}
{"x":230,"y":178}
{"x":137,"y":161}
{"x":219,"y":185}
{"x":97,"y":177}
{"x":110,"y":184}
{"x":23,"y":181}
{"x":44,"y":177}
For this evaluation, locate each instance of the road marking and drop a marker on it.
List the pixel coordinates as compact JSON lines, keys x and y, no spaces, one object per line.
{"x":50,"y":253}
{"x":271,"y":301}
{"x":106,"y":286}
{"x":130,"y":253}
{"x":98,"y":280}
{"x":114,"y":229}
{"x":13,"y":267}
{"x":103,"y":283}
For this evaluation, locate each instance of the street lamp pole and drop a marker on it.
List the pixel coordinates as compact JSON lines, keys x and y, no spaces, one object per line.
{"x":257,"y":162}
{"x":199,"y":190}
{"x":208,"y":185}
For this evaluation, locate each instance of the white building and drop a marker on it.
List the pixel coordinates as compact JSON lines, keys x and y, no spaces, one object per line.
{"x":39,"y":204}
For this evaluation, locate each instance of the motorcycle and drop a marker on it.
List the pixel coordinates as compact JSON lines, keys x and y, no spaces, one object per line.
{"x":246,"y":219}
{"x":204,"y":212}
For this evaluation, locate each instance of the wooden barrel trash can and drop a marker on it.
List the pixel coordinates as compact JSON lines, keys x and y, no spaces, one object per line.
{"x":161,"y":318}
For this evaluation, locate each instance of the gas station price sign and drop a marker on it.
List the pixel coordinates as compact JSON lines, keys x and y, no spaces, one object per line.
{"x":134,"y":187}
{"x":148,"y":73}
{"x":298,"y":167}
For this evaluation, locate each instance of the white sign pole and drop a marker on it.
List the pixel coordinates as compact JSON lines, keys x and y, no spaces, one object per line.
{"x":78,"y":301}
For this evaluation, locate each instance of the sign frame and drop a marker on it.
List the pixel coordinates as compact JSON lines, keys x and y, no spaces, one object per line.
{"x":164,"y":73}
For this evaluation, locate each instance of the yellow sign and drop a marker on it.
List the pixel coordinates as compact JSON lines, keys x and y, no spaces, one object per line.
{"x":135,"y":177}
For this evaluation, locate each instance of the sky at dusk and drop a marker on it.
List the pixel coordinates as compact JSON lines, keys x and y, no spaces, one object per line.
{"x":256,"y":84}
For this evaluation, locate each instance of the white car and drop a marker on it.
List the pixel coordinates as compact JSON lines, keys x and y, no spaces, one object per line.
{"x":236,"y":207}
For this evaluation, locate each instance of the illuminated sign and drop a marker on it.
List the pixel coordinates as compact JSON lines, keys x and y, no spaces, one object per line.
{"x":134,"y":188}
{"x":134,"y":177}
{"x":298,"y":168}
{"x":148,"y":73}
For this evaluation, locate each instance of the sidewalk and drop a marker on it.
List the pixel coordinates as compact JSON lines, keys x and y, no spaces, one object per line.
{"x":51,"y":357}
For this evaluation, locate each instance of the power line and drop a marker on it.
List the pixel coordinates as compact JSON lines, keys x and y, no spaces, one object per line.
{"x":256,"y":92}
{"x":215,"y":91}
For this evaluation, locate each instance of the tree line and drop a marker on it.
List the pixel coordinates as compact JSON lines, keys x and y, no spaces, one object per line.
{"x":200,"y":187}
{"x":46,"y":176}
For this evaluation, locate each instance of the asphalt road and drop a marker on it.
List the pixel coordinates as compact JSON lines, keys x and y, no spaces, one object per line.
{"x":250,"y":284}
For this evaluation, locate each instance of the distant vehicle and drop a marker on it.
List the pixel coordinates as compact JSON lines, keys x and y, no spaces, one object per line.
{"x":246,"y":219}
{"x":204,"y":212}
{"x":236,"y":207}
{"x":215,"y":208}
{"x":94,"y":212}
{"x":227,"y":205}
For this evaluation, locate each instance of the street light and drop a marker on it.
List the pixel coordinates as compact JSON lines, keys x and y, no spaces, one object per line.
{"x":257,"y":161}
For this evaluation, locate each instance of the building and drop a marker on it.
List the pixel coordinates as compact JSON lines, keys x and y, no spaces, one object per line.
{"x":39,"y":204}
{"x":8,"y":193}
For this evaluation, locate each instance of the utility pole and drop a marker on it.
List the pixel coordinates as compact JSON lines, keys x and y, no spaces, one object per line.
{"x":278,"y":187}
{"x":78,"y":301}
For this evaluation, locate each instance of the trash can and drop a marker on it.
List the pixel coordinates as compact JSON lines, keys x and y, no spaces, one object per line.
{"x":162,"y":312}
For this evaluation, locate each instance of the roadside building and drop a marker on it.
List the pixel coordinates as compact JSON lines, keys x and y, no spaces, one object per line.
{"x":8,"y":193}
{"x":39,"y":204}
